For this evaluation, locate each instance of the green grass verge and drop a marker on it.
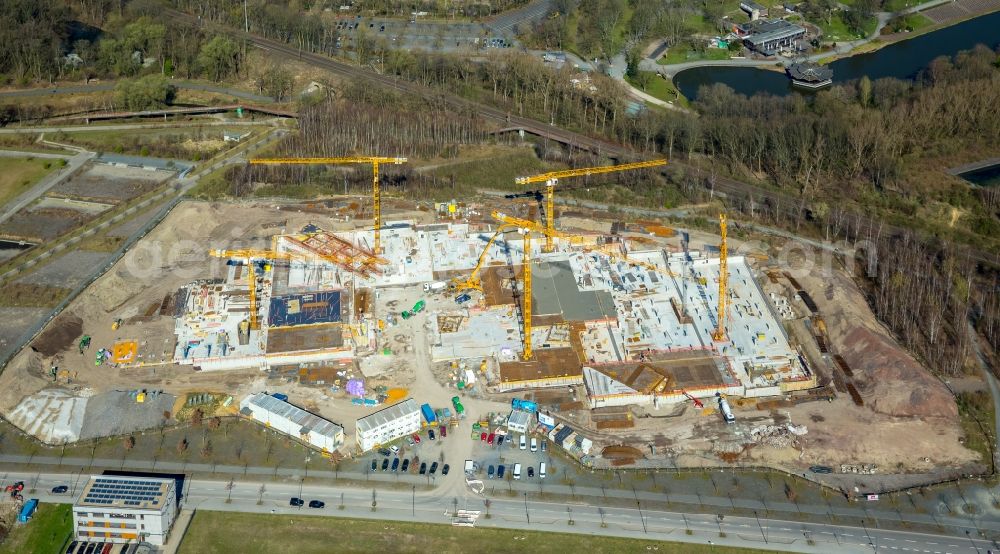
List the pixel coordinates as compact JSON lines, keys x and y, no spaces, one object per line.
{"x":251,"y":533}
{"x":19,"y":174}
{"x":657,"y":87}
{"x":496,"y":172}
{"x":47,"y":531}
{"x":683,"y":53}
{"x":836,"y":30}
{"x":975,"y":407}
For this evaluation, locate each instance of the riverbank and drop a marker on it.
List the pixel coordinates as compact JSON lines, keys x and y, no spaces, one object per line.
{"x":942,"y":16}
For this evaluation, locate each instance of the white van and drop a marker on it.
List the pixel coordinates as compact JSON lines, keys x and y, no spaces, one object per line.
{"x":534,"y":444}
{"x":517,"y":471}
{"x":541,"y":470}
{"x":524,"y":443}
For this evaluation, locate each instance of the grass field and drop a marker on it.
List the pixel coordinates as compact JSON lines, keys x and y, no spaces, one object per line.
{"x":252,"y":533}
{"x":47,"y":531}
{"x":972,"y":406}
{"x":836,"y":29}
{"x":657,"y":87}
{"x":682,"y":53}
{"x":18,"y":174}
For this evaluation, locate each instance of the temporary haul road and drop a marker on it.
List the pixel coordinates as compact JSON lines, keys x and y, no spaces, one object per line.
{"x":522,"y":513}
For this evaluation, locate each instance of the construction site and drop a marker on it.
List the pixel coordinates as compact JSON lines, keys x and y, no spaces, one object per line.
{"x":660,"y":346}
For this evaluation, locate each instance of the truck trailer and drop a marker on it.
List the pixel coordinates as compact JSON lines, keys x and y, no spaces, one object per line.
{"x":428,"y":414}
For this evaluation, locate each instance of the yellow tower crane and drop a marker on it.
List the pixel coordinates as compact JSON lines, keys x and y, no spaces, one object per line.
{"x":720,"y":330}
{"x":527,"y":227}
{"x":251,"y":255}
{"x":550,"y":179}
{"x":376,"y":194}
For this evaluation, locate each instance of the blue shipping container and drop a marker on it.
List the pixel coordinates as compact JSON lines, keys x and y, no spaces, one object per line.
{"x":428,"y":414}
{"x":280,"y":396}
{"x":28,"y":510}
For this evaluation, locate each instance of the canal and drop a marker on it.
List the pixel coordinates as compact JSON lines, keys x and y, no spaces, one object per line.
{"x":902,"y":60}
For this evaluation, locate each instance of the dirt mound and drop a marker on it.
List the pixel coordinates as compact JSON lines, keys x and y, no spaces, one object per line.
{"x":899,"y":386}
{"x":60,"y":335}
{"x":621,"y":452}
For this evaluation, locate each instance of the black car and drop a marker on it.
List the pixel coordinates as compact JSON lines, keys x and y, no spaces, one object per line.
{"x":385,"y":464}
{"x":72,"y":547}
{"x":317,"y":504}
{"x":489,"y":472}
{"x":430,"y":434}
{"x":821,"y":469}
{"x":500,"y":470}
{"x":423,"y":468}
{"x":295,"y":502}
{"x":531,"y":471}
{"x":395,"y":464}
{"x":374,"y":465}
{"x":500,"y":440}
{"x":434,"y":468}
{"x":384,"y":451}
{"x":60,"y":489}
{"x":444,"y":470}
{"x":406,"y":465}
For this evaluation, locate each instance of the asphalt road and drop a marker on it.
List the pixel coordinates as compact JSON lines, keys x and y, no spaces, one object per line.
{"x":522,"y":513}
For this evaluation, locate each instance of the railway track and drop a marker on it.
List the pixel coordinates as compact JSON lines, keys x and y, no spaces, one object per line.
{"x":718,"y":184}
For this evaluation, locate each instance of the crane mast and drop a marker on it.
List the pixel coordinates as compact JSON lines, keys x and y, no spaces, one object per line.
{"x":720,"y":331}
{"x":551,"y":179}
{"x":376,"y":192}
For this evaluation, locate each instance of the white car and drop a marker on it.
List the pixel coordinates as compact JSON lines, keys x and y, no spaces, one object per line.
{"x":534,"y":444}
{"x":524,"y":443}
{"x":394,"y":448}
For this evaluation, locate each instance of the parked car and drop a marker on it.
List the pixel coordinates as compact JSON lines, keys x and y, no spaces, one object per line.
{"x":482,"y":436}
{"x":500,"y":470}
{"x":430,"y":434}
{"x":531,"y":471}
{"x":394,"y":448}
{"x":409,"y":441}
{"x":490,"y":438}
{"x":406,"y":465}
{"x":295,"y":502}
{"x":317,"y":504}
{"x":489,"y":472}
{"x":544,"y":445}
{"x":821,"y":469}
{"x":444,"y":431}
{"x":395,"y":464}
{"x":444,"y":469}
{"x":541,"y":470}
{"x":423,"y":468}
{"x":415,"y":437}
{"x":434,"y":468}
{"x":384,"y":451}
{"x":374,"y":465}
{"x":462,"y":298}
{"x":500,"y":440}
{"x":385,"y":464}
{"x":523,"y":443}
{"x":60,"y":489}
{"x":534,"y":444}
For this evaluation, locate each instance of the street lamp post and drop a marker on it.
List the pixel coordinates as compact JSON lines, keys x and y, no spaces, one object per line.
{"x":871,"y":543}
{"x":761,"y":527}
{"x":413,"y":502}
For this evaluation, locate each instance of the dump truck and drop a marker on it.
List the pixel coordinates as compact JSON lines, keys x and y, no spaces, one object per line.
{"x":428,"y":414}
{"x":437,"y":286}
{"x":457,"y":403}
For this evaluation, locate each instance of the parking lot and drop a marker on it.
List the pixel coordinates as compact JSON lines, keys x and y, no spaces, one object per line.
{"x":409,"y":34}
{"x":410,"y":460}
{"x":498,"y":452}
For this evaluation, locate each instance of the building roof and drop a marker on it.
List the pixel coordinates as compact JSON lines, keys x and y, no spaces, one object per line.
{"x":774,"y":29}
{"x":519,"y":418}
{"x":109,"y":491}
{"x":310,"y":422}
{"x":386,"y":415}
{"x":752,"y":5}
{"x":562,"y":434}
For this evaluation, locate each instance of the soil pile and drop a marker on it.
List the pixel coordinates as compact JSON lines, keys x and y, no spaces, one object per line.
{"x":60,"y":335}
